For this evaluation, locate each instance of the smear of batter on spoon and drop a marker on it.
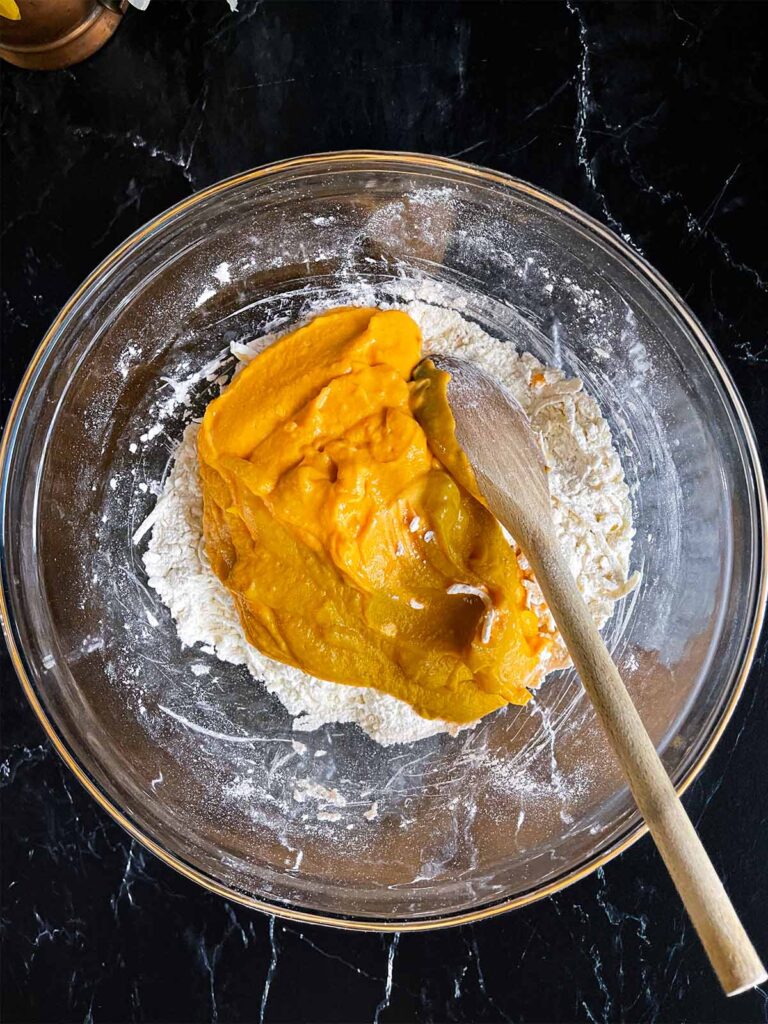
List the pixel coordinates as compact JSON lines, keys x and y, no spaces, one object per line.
{"x":350,"y":551}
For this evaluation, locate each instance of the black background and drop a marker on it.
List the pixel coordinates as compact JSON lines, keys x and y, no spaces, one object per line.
{"x":650,"y":117}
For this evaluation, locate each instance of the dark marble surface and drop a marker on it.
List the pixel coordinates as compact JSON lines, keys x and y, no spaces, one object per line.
{"x":651,"y":117}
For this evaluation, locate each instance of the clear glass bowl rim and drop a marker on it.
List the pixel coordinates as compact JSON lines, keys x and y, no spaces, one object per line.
{"x":383,"y":160}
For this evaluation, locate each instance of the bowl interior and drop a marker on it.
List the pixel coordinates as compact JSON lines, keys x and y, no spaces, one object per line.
{"x":200,"y":758}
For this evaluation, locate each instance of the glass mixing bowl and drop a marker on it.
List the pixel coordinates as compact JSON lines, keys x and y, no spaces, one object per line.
{"x":195,"y":759}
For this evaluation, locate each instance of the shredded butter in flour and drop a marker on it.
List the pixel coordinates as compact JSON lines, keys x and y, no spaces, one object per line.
{"x":591,"y":510}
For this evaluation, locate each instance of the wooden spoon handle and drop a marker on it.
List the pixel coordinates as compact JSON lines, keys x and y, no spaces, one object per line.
{"x":723,"y":936}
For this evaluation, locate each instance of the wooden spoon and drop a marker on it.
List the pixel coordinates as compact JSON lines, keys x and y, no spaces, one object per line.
{"x":509,"y":467}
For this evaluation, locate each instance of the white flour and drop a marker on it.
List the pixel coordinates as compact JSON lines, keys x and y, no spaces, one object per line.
{"x":591,"y":511}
